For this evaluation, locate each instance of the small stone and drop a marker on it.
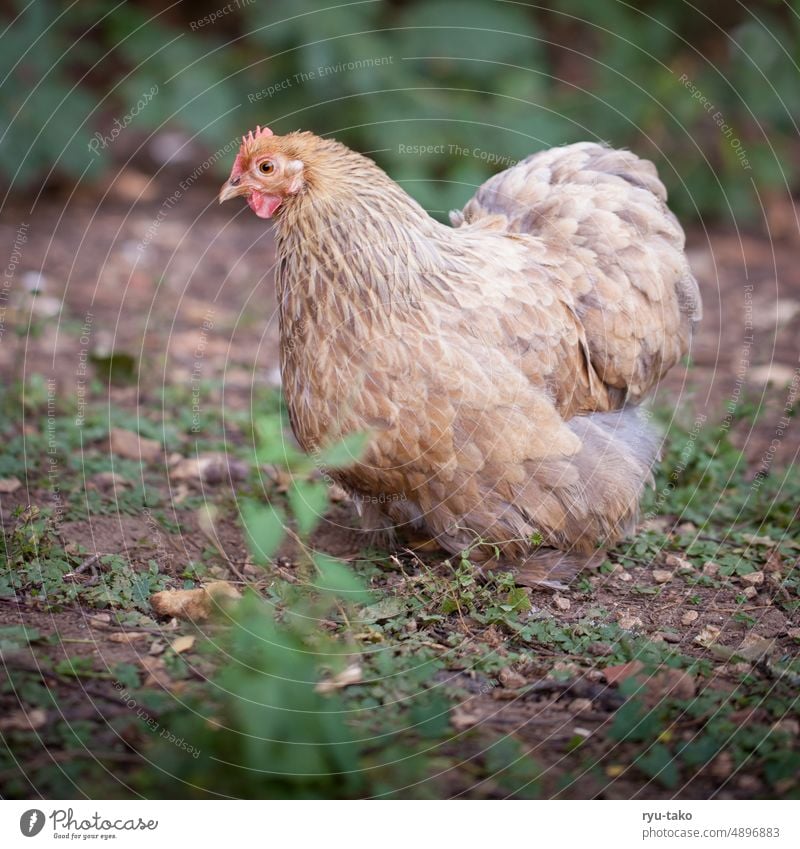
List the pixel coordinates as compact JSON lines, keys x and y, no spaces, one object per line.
{"x":211,"y":468}
{"x":662,"y":576}
{"x":600,"y":649}
{"x":105,"y":481}
{"x":676,"y":562}
{"x":561,"y":603}
{"x":721,"y":767}
{"x":669,"y":636}
{"x":564,"y":669}
{"x":131,"y":446}
{"x":625,"y":576}
{"x":710,"y":568}
{"x":671,"y":683}
{"x":22,"y":720}
{"x":100,"y":620}
{"x":9,"y":485}
{"x":750,"y":592}
{"x":579,"y":705}
{"x":749,"y":783}
{"x":689,"y":617}
{"x":752,"y":579}
{"x":629,"y":622}
{"x":510,"y":679}
{"x":788,"y":725}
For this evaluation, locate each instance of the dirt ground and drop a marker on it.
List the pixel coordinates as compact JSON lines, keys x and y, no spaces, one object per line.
{"x":186,"y":291}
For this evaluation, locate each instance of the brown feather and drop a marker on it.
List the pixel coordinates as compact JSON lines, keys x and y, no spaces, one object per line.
{"x":486,"y":360}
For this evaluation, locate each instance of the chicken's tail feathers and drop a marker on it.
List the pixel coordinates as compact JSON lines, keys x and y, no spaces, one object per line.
{"x":627,"y":271}
{"x":597,"y":490}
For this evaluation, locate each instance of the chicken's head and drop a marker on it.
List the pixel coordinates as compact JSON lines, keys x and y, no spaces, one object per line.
{"x":263,"y":173}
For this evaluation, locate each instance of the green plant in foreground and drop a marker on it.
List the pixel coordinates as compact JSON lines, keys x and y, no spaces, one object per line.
{"x":262,"y":727}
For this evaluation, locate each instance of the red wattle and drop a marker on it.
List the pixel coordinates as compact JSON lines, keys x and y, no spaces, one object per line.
{"x":263,"y":205}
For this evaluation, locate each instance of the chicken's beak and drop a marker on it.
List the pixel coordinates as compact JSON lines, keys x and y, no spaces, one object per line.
{"x":233,"y":188}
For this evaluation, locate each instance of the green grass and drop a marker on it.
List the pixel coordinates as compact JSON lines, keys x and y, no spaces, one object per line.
{"x":429,"y":639}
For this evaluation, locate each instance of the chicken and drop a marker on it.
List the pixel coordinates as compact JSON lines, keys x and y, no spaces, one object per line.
{"x":497,"y":364}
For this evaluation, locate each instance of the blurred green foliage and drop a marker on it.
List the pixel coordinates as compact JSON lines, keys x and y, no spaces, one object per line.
{"x":709,"y":92}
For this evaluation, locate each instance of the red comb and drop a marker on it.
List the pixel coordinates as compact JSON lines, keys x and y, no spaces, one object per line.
{"x":259,"y":133}
{"x":250,"y":138}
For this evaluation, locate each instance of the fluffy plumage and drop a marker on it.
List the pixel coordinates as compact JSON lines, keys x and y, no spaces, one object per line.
{"x":497,"y":363}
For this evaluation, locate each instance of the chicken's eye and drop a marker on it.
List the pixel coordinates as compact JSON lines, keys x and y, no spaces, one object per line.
{"x":266,"y":167}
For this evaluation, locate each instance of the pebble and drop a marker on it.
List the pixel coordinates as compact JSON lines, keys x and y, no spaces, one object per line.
{"x":561,"y":603}
{"x":669,"y":636}
{"x":511,"y":679}
{"x":689,"y":617}
{"x":579,"y":705}
{"x":662,"y":576}
{"x":628,"y":622}
{"x":676,"y":562}
{"x":752,"y":579}
{"x":710,"y":568}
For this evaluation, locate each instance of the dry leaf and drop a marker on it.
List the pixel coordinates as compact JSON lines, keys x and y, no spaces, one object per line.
{"x":128,"y":636}
{"x":462,"y":718}
{"x":754,"y":647}
{"x":156,"y":672}
{"x":777,"y":374}
{"x":193,"y":604}
{"x":9,"y":485}
{"x":133,"y":186}
{"x":620,"y":673}
{"x":209,"y":468}
{"x":350,"y":675}
{"x":182,"y":644}
{"x":19,"y":720}
{"x":708,"y":636}
{"x":131,"y":446}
